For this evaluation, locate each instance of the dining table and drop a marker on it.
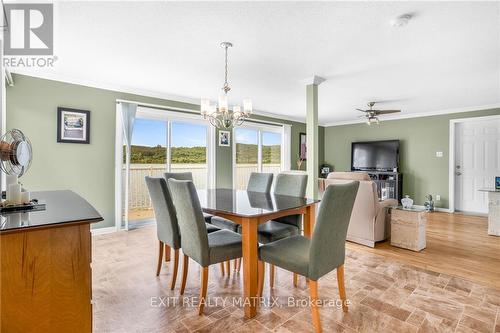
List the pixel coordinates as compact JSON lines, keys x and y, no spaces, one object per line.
{"x":249,"y":209}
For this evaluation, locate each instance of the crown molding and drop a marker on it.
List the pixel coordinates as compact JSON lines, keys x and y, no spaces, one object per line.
{"x":106,"y":86}
{"x":416,"y":115}
{"x":139,"y":92}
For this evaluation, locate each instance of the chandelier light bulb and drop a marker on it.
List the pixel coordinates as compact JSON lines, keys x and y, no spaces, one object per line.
{"x":247,"y":106}
{"x":223,"y":104}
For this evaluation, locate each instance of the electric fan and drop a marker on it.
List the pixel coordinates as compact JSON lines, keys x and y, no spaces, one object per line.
{"x":15,"y":159}
{"x":15,"y":153}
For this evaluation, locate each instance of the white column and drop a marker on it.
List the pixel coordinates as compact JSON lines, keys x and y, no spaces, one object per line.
{"x":312,"y":135}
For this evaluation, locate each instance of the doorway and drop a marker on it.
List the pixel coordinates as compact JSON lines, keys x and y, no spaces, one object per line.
{"x":474,"y":162}
{"x":162,"y":141}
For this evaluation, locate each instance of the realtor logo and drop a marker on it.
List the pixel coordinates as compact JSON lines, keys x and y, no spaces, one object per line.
{"x":30,"y":29}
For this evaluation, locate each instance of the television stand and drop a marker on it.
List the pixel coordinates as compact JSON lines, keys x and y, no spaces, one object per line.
{"x":391,"y":183}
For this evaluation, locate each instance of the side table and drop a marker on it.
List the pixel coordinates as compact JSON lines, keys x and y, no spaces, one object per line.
{"x":408,"y":227}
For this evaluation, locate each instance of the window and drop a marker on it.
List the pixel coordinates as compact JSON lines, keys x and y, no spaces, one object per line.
{"x":257,"y":149}
{"x":164,"y":141}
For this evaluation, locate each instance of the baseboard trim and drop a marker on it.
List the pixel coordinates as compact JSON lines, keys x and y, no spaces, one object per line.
{"x":102,"y":231}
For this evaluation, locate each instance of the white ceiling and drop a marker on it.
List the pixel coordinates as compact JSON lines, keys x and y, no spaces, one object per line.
{"x":447,"y":57}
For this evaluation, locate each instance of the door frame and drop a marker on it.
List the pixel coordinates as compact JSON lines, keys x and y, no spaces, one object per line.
{"x":451,"y":162}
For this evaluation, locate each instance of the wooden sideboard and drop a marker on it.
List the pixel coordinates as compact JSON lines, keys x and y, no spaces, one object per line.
{"x":46,"y":279}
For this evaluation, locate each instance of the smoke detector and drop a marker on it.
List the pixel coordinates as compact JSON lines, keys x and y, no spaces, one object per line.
{"x":401,"y":20}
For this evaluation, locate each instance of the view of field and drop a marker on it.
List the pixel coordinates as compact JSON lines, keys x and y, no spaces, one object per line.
{"x":245,"y":154}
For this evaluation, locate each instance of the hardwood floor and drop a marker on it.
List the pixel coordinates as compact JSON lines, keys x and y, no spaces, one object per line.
{"x":451,"y":286}
{"x":457,"y":245}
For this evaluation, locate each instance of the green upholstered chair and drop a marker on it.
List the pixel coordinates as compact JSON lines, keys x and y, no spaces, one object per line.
{"x":205,"y":249}
{"x":189,"y":176}
{"x":258,"y":182}
{"x":324,"y":252}
{"x":290,"y":184}
{"x":167,"y":228}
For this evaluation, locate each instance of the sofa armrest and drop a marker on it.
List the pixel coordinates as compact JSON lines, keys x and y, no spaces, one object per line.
{"x":382,"y":219}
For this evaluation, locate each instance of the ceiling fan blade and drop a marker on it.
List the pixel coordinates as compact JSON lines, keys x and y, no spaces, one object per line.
{"x":387,"y":111}
{"x":362,"y":110}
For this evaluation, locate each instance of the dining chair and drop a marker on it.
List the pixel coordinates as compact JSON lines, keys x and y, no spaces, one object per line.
{"x":257,"y":182}
{"x":288,"y":184}
{"x":324,"y":252}
{"x":187,"y":176}
{"x":208,"y":217}
{"x":205,"y":249}
{"x":167,"y":228}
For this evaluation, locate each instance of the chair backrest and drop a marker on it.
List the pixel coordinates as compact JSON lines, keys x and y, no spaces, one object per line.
{"x":291,"y":184}
{"x":327,"y":250}
{"x":260,"y":182}
{"x":191,"y":221}
{"x":179,"y":175}
{"x":167,"y":228}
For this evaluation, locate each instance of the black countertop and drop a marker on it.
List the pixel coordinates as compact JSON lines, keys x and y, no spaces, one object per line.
{"x":61,"y":207}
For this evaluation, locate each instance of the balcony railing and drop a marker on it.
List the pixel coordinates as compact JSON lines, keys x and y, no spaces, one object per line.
{"x":139,"y":197}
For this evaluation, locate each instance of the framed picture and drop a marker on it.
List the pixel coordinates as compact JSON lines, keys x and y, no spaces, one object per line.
{"x":73,"y":126}
{"x":497,"y":183}
{"x":302,"y":146}
{"x":224,"y":138}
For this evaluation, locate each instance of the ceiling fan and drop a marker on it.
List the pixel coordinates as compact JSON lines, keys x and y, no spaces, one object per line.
{"x":371,"y":115}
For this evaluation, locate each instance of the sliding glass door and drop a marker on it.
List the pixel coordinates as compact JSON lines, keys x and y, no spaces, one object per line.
{"x":188,"y":152}
{"x":163,"y":141}
{"x":257,"y":149}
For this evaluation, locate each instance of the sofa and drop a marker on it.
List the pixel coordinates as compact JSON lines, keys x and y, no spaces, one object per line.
{"x":370,"y":219}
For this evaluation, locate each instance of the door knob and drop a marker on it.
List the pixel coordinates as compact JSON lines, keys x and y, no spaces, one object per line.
{"x":458,"y":173}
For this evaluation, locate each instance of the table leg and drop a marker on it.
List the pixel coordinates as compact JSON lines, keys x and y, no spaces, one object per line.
{"x":250,"y":275}
{"x":309,"y":218}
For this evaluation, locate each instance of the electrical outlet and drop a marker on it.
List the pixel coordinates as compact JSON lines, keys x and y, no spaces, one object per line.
{"x":439,"y":154}
{"x":438,"y":197}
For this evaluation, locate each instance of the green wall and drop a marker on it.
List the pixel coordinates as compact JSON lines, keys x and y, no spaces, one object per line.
{"x":421,"y":138}
{"x":88,"y":169}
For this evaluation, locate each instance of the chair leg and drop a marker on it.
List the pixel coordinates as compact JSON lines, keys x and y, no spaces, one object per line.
{"x":228,"y":268}
{"x":160,"y":258}
{"x":340,"y":281}
{"x":313,"y":289}
{"x":176,"y":267}
{"x":239,"y":264}
{"x":295,"y":279}
{"x":261,"y":269}
{"x":235,"y":263}
{"x":203,"y":289}
{"x":185,"y":266}
{"x":167,"y":253}
{"x":222,"y":268}
{"x":271,"y":276}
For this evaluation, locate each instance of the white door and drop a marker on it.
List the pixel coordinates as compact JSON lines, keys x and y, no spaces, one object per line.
{"x":477,"y":162}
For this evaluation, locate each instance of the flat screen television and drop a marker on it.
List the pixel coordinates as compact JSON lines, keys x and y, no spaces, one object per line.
{"x":375,"y":155}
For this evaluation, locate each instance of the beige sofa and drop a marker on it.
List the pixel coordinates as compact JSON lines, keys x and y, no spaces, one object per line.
{"x":370,"y":220}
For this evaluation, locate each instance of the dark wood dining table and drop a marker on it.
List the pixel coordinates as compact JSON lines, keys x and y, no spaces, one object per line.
{"x":249,"y":209}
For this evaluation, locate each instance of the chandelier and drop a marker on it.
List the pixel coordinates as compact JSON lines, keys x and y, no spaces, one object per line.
{"x":221,"y":116}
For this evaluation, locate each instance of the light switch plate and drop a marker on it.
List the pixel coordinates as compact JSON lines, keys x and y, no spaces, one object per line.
{"x":439,"y":154}
{"x":438,"y":197}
